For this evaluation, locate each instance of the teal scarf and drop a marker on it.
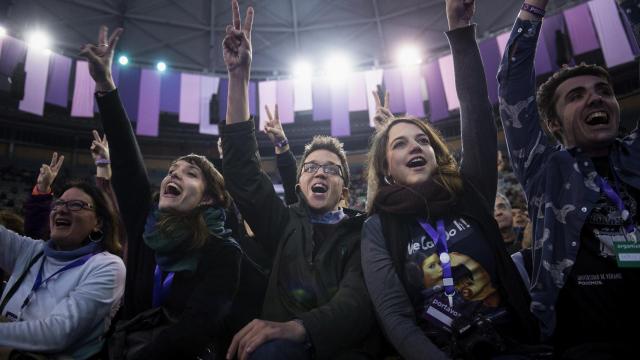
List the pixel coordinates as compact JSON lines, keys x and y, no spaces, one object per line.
{"x":172,"y":247}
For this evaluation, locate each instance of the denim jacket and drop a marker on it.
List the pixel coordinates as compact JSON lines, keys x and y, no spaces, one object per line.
{"x":559,"y":182}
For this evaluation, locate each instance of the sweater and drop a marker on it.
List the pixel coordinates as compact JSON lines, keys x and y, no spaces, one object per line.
{"x":69,"y":315}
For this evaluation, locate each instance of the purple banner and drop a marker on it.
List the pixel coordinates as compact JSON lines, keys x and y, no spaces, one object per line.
{"x":372,"y":78}
{"x":490,"y":53}
{"x":302,"y":95}
{"x":83,"y":90}
{"x":149,"y":104}
{"x":580,"y":28}
{"x":208,"y":87}
{"x":340,"y":125}
{"x":542,"y":61}
{"x":35,"y":85}
{"x":253,"y":98}
{"x":435,"y":90}
{"x":189,"y":99}
{"x":550,"y":26}
{"x":129,"y":90}
{"x":449,"y":81}
{"x":321,"y":99}
{"x":58,"y":81}
{"x":502,"y":40}
{"x":357,"y":92}
{"x":223,"y":94}
{"x":284,"y":97}
{"x":613,"y":38}
{"x":13,"y":53}
{"x":412,"y":83}
{"x":393,"y":84}
{"x":170,"y":92}
{"x":268,"y":97}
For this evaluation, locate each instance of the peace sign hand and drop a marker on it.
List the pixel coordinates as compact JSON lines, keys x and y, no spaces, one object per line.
{"x":100,"y":58}
{"x":273,"y":128}
{"x":383,"y":114}
{"x":236,"y":46}
{"x":48,"y":173}
{"x":99,"y":147}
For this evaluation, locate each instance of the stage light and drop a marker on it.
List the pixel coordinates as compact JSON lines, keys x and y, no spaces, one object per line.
{"x":302,"y":70}
{"x":3,"y":32}
{"x":161,"y":66}
{"x":38,"y":40}
{"x":337,"y":67}
{"x":123,"y":60}
{"x":409,"y":55}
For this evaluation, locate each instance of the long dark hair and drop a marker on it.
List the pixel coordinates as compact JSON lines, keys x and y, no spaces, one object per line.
{"x":105,"y":209}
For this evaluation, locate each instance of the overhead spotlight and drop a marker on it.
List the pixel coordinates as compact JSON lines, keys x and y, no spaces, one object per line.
{"x":302,"y":70}
{"x":337,"y":67}
{"x":409,"y":55}
{"x":161,"y":66}
{"x":123,"y":60}
{"x":38,"y":40}
{"x":3,"y":32}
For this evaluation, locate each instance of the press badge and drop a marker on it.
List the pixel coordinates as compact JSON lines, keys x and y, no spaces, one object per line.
{"x":627,"y":254}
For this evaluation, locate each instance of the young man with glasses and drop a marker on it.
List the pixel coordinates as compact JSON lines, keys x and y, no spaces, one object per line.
{"x":316,"y":304}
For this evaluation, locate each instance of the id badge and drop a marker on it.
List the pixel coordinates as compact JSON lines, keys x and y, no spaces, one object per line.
{"x":627,"y":253}
{"x":439,"y":312}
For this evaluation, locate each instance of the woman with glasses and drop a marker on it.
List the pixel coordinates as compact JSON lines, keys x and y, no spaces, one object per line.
{"x":182,"y":261}
{"x":63,"y":292}
{"x":434,"y":262}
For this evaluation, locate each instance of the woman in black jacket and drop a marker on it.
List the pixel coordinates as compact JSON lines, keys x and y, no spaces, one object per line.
{"x":433,"y":259}
{"x":181,"y":257}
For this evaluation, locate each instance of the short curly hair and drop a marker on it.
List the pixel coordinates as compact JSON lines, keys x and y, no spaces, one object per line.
{"x":546,"y":98}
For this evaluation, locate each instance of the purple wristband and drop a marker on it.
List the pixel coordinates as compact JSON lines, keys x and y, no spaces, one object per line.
{"x":282,"y":143}
{"x":533,"y":10}
{"x":102,"y":162}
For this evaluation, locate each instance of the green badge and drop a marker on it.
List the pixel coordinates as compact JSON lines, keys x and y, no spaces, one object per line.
{"x":627,"y":254}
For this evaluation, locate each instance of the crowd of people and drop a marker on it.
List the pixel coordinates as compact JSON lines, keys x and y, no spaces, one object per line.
{"x":450,"y":259}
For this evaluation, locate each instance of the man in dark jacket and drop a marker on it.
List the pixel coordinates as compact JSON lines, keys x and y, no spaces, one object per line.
{"x":316,"y":302}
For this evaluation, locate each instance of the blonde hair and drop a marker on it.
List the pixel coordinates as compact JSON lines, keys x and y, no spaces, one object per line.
{"x":377,"y":165}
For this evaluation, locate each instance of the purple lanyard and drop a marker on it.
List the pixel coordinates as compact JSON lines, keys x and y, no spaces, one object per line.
{"x":440,"y":239}
{"x":39,"y":281}
{"x":617,"y":200}
{"x":161,"y":288}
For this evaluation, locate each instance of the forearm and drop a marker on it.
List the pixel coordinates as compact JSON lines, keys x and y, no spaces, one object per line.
{"x":238,"y":99}
{"x":103,"y":171}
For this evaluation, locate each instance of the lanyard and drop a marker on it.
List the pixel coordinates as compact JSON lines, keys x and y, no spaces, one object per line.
{"x":39,"y":281}
{"x":617,"y":200}
{"x":161,"y":288}
{"x":440,"y":239}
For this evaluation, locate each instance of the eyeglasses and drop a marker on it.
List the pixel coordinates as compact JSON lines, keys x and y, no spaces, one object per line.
{"x":329,"y":169}
{"x":73,"y":205}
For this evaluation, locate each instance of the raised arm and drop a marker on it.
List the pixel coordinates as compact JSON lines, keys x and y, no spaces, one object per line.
{"x":130,"y":179}
{"x":249,"y":186}
{"x":390,"y":300}
{"x":527,"y":142}
{"x":477,"y":125}
{"x":38,"y":204}
{"x":285,"y":160}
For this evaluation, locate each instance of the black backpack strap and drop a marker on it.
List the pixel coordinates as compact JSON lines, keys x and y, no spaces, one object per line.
{"x":16,"y":285}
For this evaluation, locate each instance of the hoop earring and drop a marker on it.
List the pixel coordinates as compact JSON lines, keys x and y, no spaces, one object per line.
{"x":99,"y":235}
{"x":389,"y":180}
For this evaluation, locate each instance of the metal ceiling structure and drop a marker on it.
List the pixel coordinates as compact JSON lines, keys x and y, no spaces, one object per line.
{"x":187,"y":34}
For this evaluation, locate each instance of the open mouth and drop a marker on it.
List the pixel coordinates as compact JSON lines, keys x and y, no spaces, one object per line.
{"x":172,"y":190}
{"x":597,"y":118}
{"x":62,"y":222}
{"x":417,"y":162}
{"x":319,"y":188}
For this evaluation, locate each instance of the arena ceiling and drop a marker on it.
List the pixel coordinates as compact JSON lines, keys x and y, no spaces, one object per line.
{"x":187,"y":34}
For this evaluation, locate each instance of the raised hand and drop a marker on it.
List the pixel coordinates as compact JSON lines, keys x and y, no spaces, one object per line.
{"x":460,"y":12}
{"x":100,"y":58}
{"x":100,"y":153}
{"x":273,"y":128}
{"x":236,"y":46}
{"x":48,"y":173}
{"x":383,"y":114}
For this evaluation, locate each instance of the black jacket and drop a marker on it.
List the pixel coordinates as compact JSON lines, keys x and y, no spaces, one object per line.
{"x":202,"y":300}
{"x":332,"y":301}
